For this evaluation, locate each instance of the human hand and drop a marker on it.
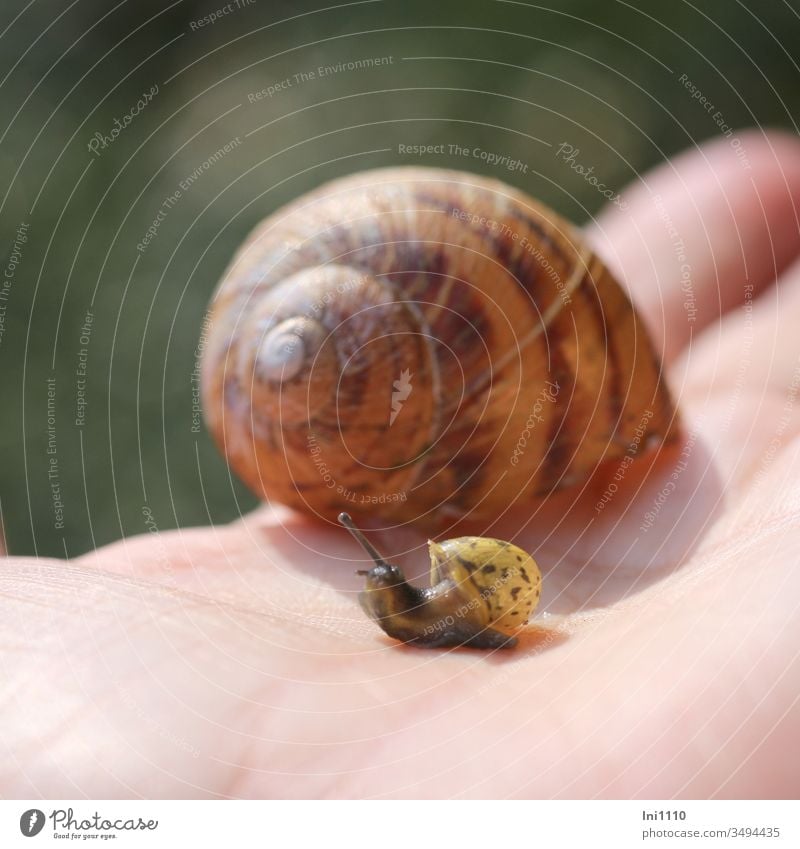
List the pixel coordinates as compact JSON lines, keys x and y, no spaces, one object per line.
{"x":234,"y":661}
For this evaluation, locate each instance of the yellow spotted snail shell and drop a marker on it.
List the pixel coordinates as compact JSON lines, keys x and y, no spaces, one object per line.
{"x":480,"y":590}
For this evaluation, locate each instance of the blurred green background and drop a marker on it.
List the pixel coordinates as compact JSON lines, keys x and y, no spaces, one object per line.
{"x":512,"y":78}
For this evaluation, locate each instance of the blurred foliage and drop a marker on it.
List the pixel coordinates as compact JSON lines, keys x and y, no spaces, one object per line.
{"x":511,"y":78}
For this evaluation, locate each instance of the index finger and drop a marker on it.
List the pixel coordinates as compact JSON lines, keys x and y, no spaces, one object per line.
{"x":698,"y":229}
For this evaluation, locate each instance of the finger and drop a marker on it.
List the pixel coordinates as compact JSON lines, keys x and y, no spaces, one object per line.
{"x":741,"y":379}
{"x":701,"y":227}
{"x":755,"y":348}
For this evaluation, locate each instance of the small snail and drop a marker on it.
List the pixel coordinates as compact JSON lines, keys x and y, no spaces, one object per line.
{"x":429,"y":342}
{"x":480,"y":589}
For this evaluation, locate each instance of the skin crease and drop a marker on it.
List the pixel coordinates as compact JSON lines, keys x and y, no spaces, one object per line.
{"x":233,"y":661}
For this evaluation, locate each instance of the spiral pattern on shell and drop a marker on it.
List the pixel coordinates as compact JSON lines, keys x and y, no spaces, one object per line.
{"x":424,"y":343}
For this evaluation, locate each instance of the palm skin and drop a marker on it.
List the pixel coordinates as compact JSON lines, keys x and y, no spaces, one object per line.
{"x":234,"y":661}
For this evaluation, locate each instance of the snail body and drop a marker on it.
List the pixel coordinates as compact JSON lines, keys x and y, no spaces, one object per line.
{"x":429,"y":341}
{"x":480,"y":590}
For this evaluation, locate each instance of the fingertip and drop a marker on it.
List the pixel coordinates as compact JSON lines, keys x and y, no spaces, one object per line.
{"x":698,"y":229}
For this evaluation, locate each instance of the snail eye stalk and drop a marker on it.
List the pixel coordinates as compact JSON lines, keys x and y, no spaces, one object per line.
{"x":344,"y":519}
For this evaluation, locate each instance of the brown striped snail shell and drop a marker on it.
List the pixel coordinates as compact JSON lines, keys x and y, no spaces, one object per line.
{"x":428,"y":341}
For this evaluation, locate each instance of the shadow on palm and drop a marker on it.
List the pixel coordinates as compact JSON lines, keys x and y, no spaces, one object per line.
{"x":596,"y":545}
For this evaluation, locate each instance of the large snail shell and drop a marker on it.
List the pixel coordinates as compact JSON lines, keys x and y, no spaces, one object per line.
{"x":429,"y":341}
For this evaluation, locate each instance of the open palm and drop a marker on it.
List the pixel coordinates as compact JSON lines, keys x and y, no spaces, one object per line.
{"x":234,"y":661}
